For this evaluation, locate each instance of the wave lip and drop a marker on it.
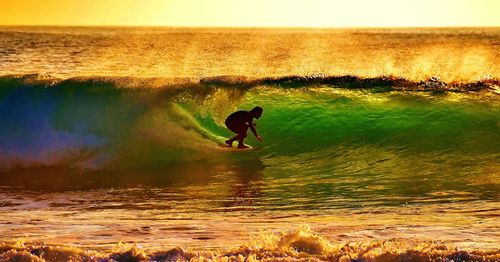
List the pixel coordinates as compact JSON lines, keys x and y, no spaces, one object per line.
{"x":294,"y":81}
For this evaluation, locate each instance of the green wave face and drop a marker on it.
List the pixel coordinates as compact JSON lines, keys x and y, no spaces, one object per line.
{"x":352,"y":159}
{"x":366,"y":147}
{"x":301,"y":121}
{"x":319,"y":140}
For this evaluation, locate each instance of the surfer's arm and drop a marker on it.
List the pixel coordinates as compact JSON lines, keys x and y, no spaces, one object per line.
{"x":254,"y":131}
{"x":252,"y":127}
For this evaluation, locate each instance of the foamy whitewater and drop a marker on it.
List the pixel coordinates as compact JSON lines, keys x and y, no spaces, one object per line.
{"x":379,"y":144}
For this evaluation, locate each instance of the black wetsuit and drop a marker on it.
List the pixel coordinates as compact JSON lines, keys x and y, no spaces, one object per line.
{"x":239,"y":122}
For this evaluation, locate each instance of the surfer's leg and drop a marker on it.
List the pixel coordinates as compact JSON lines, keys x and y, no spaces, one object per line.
{"x":241,"y":137}
{"x":241,"y":132}
{"x":236,"y":129}
{"x":230,"y":141}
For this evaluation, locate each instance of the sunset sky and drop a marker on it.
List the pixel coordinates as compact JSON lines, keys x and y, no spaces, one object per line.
{"x":253,"y":13}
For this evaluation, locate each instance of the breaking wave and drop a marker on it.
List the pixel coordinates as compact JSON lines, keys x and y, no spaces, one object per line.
{"x":95,"y":122}
{"x":300,"y":244}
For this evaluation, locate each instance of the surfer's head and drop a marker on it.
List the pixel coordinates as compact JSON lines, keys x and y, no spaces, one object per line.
{"x":256,"y":112}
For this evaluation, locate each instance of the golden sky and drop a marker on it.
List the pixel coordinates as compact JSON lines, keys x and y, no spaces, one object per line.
{"x":253,"y":13}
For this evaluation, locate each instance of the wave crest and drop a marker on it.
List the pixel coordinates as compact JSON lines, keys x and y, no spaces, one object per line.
{"x":294,"y":81}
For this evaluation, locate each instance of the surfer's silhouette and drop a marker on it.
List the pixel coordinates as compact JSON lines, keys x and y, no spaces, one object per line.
{"x":239,"y":122}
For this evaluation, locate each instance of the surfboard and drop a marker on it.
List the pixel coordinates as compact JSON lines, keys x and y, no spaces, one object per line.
{"x":235,"y":148}
{"x":220,"y":140}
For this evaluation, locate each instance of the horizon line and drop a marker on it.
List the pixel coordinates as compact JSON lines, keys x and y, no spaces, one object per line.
{"x":250,"y":27}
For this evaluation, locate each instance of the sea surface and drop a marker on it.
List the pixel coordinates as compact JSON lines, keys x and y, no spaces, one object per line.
{"x":379,"y":144}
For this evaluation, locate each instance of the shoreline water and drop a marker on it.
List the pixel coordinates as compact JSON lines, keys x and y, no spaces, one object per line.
{"x":300,"y":244}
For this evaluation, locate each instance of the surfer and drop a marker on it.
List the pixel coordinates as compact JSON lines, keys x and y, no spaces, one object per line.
{"x":239,"y":122}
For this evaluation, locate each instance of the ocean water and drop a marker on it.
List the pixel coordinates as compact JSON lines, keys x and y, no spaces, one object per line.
{"x":379,"y":144}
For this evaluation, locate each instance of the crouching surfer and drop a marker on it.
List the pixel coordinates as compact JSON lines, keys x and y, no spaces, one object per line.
{"x":239,"y":122}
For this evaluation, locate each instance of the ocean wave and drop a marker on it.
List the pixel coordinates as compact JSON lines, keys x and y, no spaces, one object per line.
{"x":300,"y":244}
{"x":95,"y":122}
